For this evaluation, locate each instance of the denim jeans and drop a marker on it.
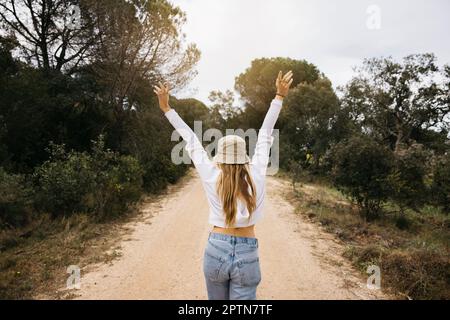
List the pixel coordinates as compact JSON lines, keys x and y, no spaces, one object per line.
{"x":231,"y":267}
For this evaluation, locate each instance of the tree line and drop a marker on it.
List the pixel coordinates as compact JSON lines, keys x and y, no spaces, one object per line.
{"x":79,"y":131}
{"x":383,"y":138}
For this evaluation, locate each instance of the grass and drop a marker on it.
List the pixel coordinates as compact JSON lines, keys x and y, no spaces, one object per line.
{"x":34,"y":260}
{"x":411,"y":250}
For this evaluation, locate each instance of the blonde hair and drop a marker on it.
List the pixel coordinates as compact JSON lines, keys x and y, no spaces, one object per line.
{"x":233,"y":183}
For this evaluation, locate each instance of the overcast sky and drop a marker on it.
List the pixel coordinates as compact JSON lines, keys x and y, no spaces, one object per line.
{"x":334,"y":35}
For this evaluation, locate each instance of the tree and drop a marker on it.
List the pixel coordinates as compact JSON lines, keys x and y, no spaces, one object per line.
{"x":39,"y":106}
{"x":256,"y":86}
{"x":407,"y":179}
{"x":441,"y":183}
{"x":360,"y":169}
{"x":52,"y":34}
{"x":141,"y":43}
{"x":125,"y":43}
{"x":307,"y":121}
{"x":134,"y":44}
{"x":191,"y":110}
{"x":391,"y":100}
{"x":224,"y":113}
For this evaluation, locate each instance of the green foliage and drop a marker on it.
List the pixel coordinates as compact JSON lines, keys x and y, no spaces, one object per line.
{"x":256,"y":85}
{"x":56,"y":107}
{"x":190,"y":110}
{"x":117,"y":180}
{"x":63,"y":181}
{"x":103,"y":183}
{"x":360,"y":169}
{"x":307,"y":124}
{"x":398,"y":101}
{"x":224,"y":113}
{"x":147,"y":138}
{"x":407,"y":179}
{"x":441,"y":183}
{"x":15,"y":200}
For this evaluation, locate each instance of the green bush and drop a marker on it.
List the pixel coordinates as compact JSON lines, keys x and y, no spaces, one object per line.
{"x":102,"y":183}
{"x":63,"y":182}
{"x":407,"y":179}
{"x":118,"y":181}
{"x":360,"y":168}
{"x":441,"y":183}
{"x":14,"y":200}
{"x":159,"y":172}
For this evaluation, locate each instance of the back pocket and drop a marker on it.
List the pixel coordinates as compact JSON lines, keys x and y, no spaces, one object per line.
{"x":211,"y":266}
{"x":250,"y":272}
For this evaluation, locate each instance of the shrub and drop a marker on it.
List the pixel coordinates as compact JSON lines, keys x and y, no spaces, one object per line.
{"x":360,"y":168}
{"x":118,"y":181}
{"x":63,"y":182}
{"x":407,"y":179}
{"x":102,"y":183}
{"x":420,"y":274}
{"x":159,"y":172}
{"x":417,"y":273}
{"x":15,"y":200}
{"x":149,"y":140}
{"x":441,"y":183}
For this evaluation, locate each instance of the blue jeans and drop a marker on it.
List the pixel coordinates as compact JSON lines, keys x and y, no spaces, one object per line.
{"x":231,"y":267}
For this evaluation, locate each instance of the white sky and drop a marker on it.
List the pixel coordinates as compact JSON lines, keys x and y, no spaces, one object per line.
{"x":332,"y":34}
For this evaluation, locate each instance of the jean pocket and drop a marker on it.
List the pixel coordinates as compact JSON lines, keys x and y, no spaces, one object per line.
{"x":211,"y":266}
{"x":250,"y":272}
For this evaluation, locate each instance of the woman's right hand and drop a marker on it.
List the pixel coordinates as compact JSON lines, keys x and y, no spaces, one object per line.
{"x":162,"y":91}
{"x":283,"y":83}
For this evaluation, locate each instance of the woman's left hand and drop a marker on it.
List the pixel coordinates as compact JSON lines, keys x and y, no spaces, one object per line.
{"x":162,"y":91}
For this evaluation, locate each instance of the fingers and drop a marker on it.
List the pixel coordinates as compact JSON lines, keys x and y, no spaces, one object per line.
{"x":287,"y":76}
{"x":161,"y":88}
{"x":290,"y":82}
{"x":157,"y":90}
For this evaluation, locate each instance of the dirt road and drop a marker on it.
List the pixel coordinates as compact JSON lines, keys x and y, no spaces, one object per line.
{"x":161,"y":258}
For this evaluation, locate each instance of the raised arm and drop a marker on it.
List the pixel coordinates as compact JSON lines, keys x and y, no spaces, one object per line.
{"x":260,"y":158}
{"x":194,"y":147}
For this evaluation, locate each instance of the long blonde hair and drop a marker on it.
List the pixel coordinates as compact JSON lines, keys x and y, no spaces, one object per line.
{"x":233,"y":183}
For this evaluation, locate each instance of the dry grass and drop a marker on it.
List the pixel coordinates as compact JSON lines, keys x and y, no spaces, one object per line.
{"x":412,"y":251}
{"x":34,"y":260}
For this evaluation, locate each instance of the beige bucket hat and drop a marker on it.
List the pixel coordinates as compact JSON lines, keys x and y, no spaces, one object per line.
{"x":231,"y":149}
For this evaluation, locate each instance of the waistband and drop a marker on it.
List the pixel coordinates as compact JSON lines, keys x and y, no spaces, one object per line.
{"x":232,"y":239}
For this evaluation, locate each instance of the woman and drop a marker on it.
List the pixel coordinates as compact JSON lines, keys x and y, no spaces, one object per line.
{"x":235,"y":187}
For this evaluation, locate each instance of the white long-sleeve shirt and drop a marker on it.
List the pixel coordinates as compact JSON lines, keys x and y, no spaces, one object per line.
{"x":209,"y":172}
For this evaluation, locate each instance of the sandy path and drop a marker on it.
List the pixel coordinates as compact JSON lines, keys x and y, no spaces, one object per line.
{"x":162,"y":256}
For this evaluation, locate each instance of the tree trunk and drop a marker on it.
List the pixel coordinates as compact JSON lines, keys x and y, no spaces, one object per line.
{"x":400,"y":135}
